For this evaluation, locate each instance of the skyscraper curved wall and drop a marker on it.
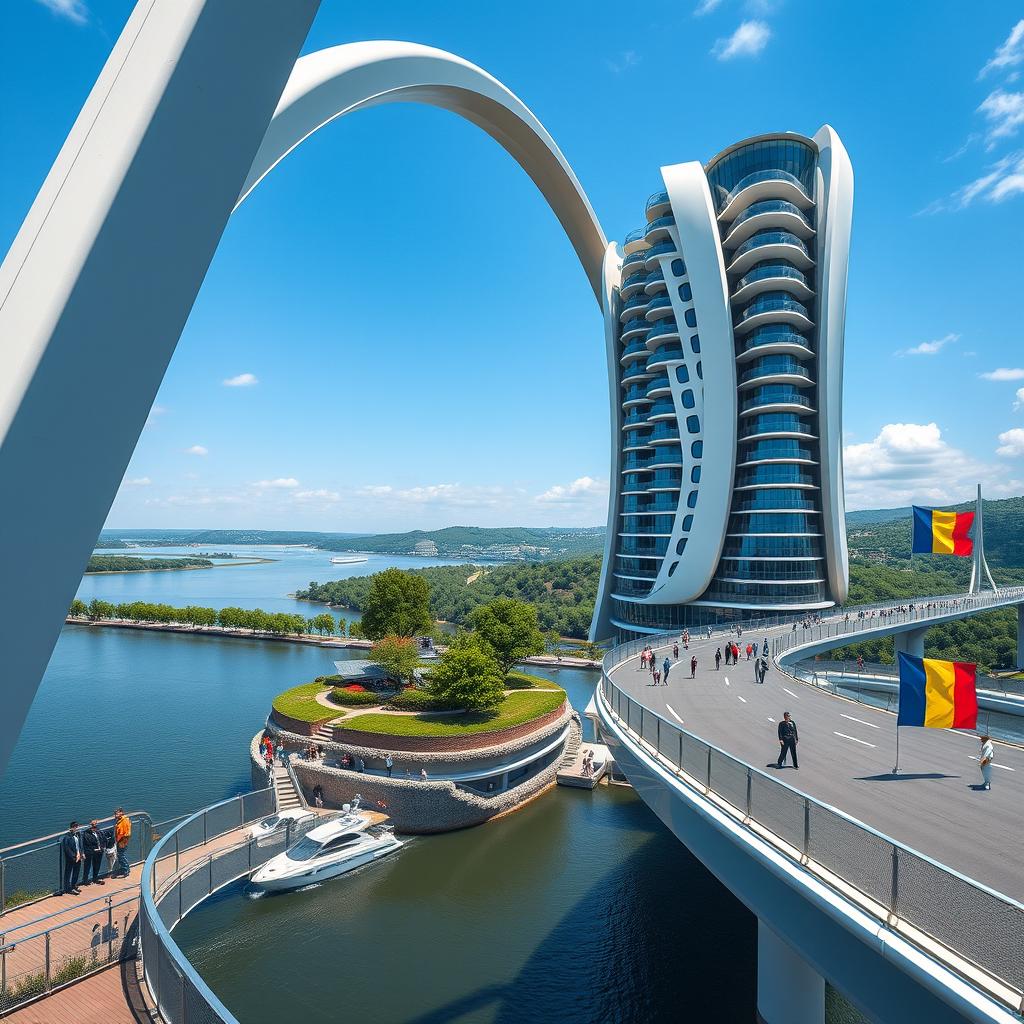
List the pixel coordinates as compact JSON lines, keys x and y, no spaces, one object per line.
{"x":724,"y":321}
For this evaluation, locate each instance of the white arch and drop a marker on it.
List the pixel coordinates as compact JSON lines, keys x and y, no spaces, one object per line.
{"x":343,"y":79}
{"x":98,"y":283}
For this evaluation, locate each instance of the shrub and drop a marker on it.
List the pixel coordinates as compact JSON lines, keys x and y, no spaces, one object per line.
{"x":355,"y":698}
{"x":417,"y":700}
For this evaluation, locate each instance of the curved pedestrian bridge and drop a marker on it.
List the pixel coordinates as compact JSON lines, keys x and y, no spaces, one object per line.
{"x":934,"y":862}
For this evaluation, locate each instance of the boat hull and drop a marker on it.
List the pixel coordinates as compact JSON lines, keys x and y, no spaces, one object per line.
{"x":314,"y":875}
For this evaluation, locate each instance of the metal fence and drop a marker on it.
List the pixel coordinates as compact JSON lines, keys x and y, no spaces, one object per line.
{"x":33,"y":870}
{"x":900,"y":886}
{"x":175,"y":880}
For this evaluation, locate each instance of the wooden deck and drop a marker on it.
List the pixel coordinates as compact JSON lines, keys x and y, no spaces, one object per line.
{"x":573,"y":775}
{"x":115,"y":995}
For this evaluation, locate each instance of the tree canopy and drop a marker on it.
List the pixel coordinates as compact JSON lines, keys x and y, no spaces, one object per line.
{"x":397,"y":655}
{"x":509,"y":627}
{"x":467,"y":676}
{"x":398,"y":604}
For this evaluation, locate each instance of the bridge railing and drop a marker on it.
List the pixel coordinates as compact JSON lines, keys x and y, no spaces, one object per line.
{"x":979,"y":931}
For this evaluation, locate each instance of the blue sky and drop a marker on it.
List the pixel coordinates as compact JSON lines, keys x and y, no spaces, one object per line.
{"x":395,"y":333}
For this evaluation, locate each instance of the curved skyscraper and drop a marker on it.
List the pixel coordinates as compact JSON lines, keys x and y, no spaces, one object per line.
{"x":724,"y":322}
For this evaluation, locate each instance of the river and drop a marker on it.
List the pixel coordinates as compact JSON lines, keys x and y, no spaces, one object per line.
{"x":581,"y":907}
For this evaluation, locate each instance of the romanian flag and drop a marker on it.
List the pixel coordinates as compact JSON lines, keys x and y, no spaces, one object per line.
{"x":937,"y":694}
{"x":942,"y":533}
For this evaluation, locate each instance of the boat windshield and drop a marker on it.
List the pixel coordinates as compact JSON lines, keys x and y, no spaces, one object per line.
{"x":270,"y":822}
{"x":304,"y":849}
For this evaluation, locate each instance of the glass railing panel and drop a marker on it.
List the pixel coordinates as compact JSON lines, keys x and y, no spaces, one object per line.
{"x":762,"y":238}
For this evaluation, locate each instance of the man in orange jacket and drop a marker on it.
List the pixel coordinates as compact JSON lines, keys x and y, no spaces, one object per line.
{"x":122,"y":836}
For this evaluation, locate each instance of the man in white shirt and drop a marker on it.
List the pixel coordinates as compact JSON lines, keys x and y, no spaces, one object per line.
{"x":988,"y":755}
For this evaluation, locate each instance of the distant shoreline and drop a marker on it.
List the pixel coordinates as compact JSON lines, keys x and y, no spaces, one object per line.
{"x":178,"y":568}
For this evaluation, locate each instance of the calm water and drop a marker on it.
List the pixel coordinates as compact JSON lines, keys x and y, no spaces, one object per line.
{"x":580,"y":907}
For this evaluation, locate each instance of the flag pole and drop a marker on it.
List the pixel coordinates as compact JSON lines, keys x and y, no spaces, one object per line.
{"x":896,"y":768}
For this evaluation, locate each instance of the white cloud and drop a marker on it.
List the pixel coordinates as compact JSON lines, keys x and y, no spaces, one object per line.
{"x":138,"y":481}
{"x":1003,"y":374}
{"x":1003,"y":180}
{"x":967,"y":143}
{"x":1019,"y":403}
{"x":705,"y":7}
{"x":154,"y":414}
{"x":243,"y":380}
{"x":197,"y":449}
{"x":911,"y":462}
{"x":747,"y":41}
{"x":440,"y":495}
{"x":585,"y":488}
{"x":285,"y":482}
{"x":629,"y":59}
{"x":73,"y":10}
{"x":1011,"y":443}
{"x":1010,"y":53}
{"x":1004,"y":112}
{"x":930,"y":348}
{"x":321,"y":495}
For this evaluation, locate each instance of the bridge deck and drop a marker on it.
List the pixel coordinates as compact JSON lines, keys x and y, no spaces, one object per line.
{"x":846,"y":753}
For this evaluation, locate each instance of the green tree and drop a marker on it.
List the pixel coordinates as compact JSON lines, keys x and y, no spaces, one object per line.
{"x":355,"y":630}
{"x":79,"y":609}
{"x":552,"y":639}
{"x":398,"y":604}
{"x":397,"y":655}
{"x":342,"y":627}
{"x":509,"y":627}
{"x":467,"y":675}
{"x":322,"y":624}
{"x":590,"y":650}
{"x":100,"y":609}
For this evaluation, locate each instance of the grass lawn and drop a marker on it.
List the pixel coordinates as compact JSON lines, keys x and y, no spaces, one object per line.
{"x":515,"y":709}
{"x":301,"y":704}
{"x":516,"y":680}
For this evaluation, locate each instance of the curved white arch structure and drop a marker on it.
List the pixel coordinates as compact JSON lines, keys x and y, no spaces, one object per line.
{"x":340,"y":80}
{"x":192,"y":109}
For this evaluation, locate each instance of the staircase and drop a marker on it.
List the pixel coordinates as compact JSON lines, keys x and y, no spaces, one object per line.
{"x":287,"y":795}
{"x":572,"y":748}
{"x":325,"y":733}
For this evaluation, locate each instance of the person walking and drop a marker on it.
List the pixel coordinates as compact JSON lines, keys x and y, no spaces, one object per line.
{"x":788,"y":739}
{"x":360,"y":765}
{"x":71,"y":854}
{"x":718,"y":659}
{"x":675,"y":651}
{"x":693,"y":667}
{"x":318,"y":795}
{"x":389,"y":765}
{"x":988,"y":755}
{"x":122,"y":837}
{"x":92,"y":854}
{"x":656,"y":675}
{"x":666,"y":665}
{"x":423,"y":775}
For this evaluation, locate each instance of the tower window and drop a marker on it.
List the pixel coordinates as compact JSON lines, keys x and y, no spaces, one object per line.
{"x":685,"y":293}
{"x":695,"y":475}
{"x":688,"y":399}
{"x":687,"y":523}
{"x":678,"y":268}
{"x":697,"y":449}
{"x":693,"y":424}
{"x":691,"y":500}
{"x":695,"y":340}
{"x":680,"y":545}
{"x":690,"y":316}
{"x":682,"y":374}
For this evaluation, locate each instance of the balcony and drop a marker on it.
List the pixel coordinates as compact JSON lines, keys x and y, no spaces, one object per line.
{"x":771,"y":275}
{"x":641,"y":524}
{"x":633,"y":263}
{"x":663,"y":434}
{"x":653,"y":254}
{"x":628,"y":587}
{"x":661,"y":410}
{"x":765,"y":504}
{"x":635,"y":242}
{"x":633,"y":328}
{"x":634,"y":350}
{"x":770,"y":245}
{"x":775,"y":476}
{"x":665,"y":457}
{"x":630,"y":285}
{"x":641,"y":547}
{"x":658,"y":386}
{"x":775,"y":339}
{"x":767,"y":184}
{"x":773,"y":308}
{"x":634,"y":418}
{"x":633,"y":463}
{"x":634,"y":372}
{"x":658,"y":307}
{"x":776,"y":425}
{"x":773,"y":398}
{"x":776,"y":452}
{"x":768,"y":213}
{"x":658,"y":229}
{"x":664,"y":328}
{"x":775,"y":370}
{"x":635,"y":306}
{"x":665,"y":480}
{"x":663,"y":355}
{"x":658,"y":205}
{"x":655,"y":282}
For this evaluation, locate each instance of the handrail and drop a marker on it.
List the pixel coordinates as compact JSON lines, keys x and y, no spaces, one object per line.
{"x":708,"y":766}
{"x":57,"y":835}
{"x":290,"y":769}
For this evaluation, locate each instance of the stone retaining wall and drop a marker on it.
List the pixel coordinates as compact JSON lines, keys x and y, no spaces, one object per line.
{"x":424,"y":744}
{"x":423,"y":807}
{"x":293,"y":725}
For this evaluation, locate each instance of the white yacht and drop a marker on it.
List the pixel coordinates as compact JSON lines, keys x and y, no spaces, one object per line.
{"x":349,"y":560}
{"x":331,"y":849}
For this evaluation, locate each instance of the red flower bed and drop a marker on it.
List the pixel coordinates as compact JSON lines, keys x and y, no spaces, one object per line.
{"x":354,"y":688}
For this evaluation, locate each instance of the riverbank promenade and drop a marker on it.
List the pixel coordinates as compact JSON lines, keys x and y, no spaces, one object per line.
{"x":846,"y":754}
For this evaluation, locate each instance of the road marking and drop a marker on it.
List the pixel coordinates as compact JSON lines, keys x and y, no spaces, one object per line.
{"x":770,"y":719}
{"x":1006,"y":768}
{"x":726,"y":680}
{"x":792,"y":694}
{"x":744,"y":699}
{"x":854,"y":738}
{"x":672,"y":712}
{"x":860,"y":721}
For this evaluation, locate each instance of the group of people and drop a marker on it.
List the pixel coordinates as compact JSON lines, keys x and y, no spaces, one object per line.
{"x":648,"y":662}
{"x":588,"y":764}
{"x":84,"y":850}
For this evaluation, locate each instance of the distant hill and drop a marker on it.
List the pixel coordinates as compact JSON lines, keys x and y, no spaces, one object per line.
{"x":177,"y":538}
{"x":477,"y":543}
{"x":868,"y":516}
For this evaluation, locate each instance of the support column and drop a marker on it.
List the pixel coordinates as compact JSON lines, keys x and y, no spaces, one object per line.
{"x":789,"y":990}
{"x":911,"y":641}
{"x":1020,"y":636}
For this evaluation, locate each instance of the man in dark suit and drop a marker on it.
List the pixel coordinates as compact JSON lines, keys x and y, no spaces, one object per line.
{"x":788,"y":740}
{"x":71,"y":850}
{"x":92,"y":854}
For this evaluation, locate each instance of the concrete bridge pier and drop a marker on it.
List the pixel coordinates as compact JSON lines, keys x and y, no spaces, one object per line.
{"x":789,"y":990}
{"x":911,"y":642}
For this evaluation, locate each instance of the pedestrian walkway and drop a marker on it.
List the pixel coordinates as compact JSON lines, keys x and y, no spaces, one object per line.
{"x":847,"y":752}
